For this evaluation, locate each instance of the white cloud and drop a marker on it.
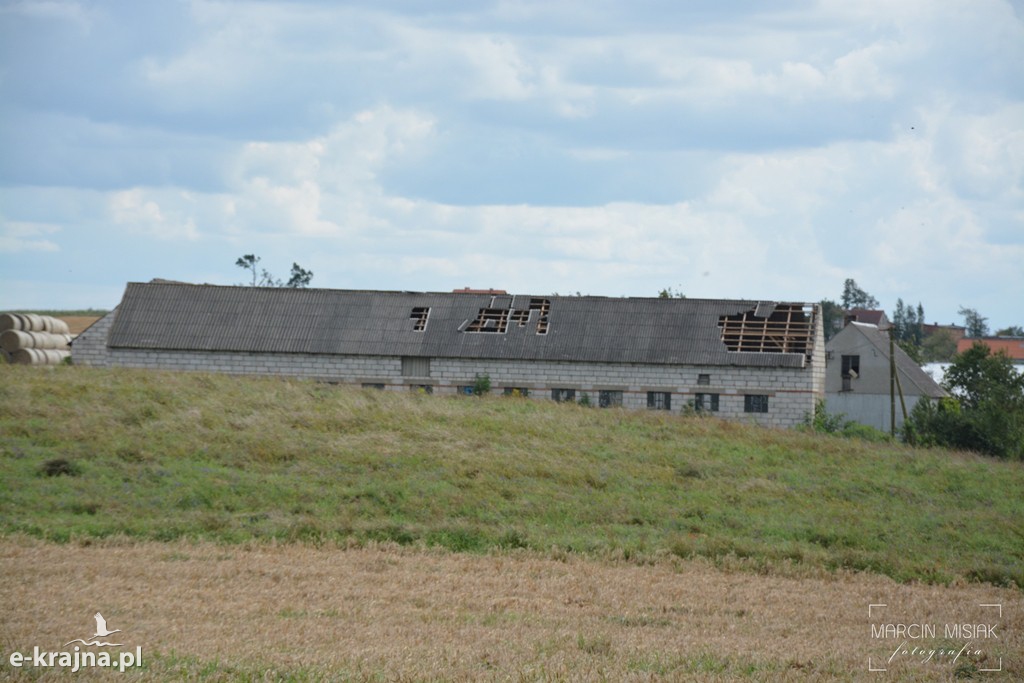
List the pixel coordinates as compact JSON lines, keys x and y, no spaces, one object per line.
{"x":139,"y":212}
{"x":609,"y":148}
{"x":17,"y":236}
{"x":50,"y":9}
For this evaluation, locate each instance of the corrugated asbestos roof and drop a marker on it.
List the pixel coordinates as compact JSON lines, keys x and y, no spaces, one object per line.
{"x":172,"y":316}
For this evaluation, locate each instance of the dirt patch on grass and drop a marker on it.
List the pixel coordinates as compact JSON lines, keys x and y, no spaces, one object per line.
{"x":404,"y":614}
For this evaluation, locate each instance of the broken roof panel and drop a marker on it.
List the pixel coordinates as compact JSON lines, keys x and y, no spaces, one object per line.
{"x":588,"y":329}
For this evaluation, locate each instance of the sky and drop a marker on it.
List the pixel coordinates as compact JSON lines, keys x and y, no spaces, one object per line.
{"x":740,"y":149}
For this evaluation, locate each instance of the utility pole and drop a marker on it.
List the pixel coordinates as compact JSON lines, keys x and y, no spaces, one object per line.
{"x":892,"y":384}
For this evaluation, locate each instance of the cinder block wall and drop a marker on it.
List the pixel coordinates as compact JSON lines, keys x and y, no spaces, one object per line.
{"x":791,"y":392}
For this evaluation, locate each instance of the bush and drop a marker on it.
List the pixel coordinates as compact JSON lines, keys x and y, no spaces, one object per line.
{"x":481,"y":384}
{"x":825,"y":422}
{"x":58,"y":467}
{"x":985,"y":412}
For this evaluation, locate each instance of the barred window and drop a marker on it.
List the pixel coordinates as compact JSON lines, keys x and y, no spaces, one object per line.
{"x":563,"y":395}
{"x":755,"y":403}
{"x":706,"y":403}
{"x":609,"y":399}
{"x":659,"y":400}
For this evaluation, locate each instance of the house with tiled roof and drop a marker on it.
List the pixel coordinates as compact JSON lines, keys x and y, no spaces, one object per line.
{"x":757,"y":360}
{"x":1011,"y":346}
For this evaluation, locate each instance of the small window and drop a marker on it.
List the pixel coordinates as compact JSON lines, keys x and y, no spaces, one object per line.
{"x":466,"y":390}
{"x":415,"y":367}
{"x":563,"y":395}
{"x":609,"y":399}
{"x":659,"y":400}
{"x":421,"y":389}
{"x":516,"y":392}
{"x":851,"y":367}
{"x":373,"y":385}
{"x":706,"y":403}
{"x":704,"y":380}
{"x":755,"y":403}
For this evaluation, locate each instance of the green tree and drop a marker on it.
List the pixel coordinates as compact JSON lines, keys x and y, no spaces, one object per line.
{"x":669,"y":293}
{"x":831,"y":317}
{"x":977,"y":326}
{"x":985,"y":411}
{"x":908,"y":328}
{"x":300,"y":277}
{"x":937,"y":347}
{"x":855,"y":297}
{"x":1011,"y":331}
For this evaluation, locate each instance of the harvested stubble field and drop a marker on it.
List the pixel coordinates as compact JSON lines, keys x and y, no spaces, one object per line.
{"x":235,"y":526}
{"x":389,"y":613}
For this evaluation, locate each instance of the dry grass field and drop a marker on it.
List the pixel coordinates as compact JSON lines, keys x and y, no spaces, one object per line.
{"x":79,"y":323}
{"x":202,"y":611}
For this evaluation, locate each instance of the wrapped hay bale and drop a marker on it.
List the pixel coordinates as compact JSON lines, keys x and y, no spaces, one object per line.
{"x":39,"y":356}
{"x":31,"y":322}
{"x":12,"y":340}
{"x":12,"y":321}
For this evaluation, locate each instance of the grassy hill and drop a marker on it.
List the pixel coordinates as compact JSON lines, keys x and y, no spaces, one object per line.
{"x":161,"y":456}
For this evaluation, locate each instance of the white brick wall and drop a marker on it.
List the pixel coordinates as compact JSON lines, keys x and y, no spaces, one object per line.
{"x":791,"y":391}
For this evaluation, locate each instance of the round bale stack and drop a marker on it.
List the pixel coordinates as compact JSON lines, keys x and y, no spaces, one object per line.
{"x":31,"y":339}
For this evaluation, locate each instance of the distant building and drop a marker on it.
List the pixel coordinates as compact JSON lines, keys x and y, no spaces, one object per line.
{"x":753,"y":360}
{"x":857,"y":377}
{"x":1011,"y":346}
{"x":863,"y":315}
{"x":956,"y":332}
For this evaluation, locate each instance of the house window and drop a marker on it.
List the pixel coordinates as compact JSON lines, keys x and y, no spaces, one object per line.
{"x":704,"y":380}
{"x":659,"y":400}
{"x":609,"y":399}
{"x":706,"y":403}
{"x":415,"y":367}
{"x":419,"y":317}
{"x":421,"y":388}
{"x":755,"y":403}
{"x":851,"y":371}
{"x":563,"y":395}
{"x":516,"y":391}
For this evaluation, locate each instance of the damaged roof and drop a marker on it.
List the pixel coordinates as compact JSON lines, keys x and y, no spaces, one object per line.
{"x":174,"y":316}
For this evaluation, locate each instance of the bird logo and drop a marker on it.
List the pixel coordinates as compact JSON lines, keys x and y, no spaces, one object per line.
{"x":101,"y":632}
